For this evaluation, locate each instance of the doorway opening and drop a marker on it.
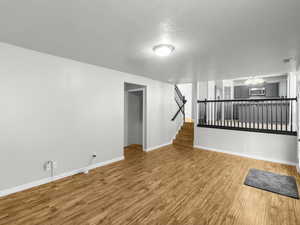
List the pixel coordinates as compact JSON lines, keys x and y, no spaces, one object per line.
{"x":134,"y":117}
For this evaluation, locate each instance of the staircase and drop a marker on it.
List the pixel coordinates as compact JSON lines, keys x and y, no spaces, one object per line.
{"x":185,"y":136}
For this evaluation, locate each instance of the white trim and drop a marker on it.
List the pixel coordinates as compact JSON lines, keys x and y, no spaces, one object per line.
{"x":298,"y":169}
{"x":136,"y":90}
{"x":242,"y":77}
{"x":178,"y":129}
{"x":158,"y":146}
{"x":99,"y":164}
{"x":56,"y":177}
{"x":245,"y":155}
{"x":176,"y":134}
{"x":144,"y":92}
{"x":144,"y":118}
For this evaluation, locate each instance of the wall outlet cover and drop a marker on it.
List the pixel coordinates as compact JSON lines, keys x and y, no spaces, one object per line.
{"x":47,"y":166}
{"x":54,"y":165}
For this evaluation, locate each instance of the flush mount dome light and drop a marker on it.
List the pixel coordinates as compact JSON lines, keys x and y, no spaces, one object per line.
{"x":163,"y":49}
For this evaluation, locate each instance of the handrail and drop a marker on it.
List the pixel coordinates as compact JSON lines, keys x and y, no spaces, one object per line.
{"x":268,"y":115}
{"x":248,"y":100}
{"x":179,"y":92}
{"x":181,"y":107}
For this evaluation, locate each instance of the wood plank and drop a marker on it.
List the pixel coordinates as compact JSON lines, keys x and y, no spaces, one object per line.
{"x":166,"y":186}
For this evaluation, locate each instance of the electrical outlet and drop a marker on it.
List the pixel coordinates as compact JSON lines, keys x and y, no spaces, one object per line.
{"x":54,"y":164}
{"x":50,"y":165}
{"x":47,"y":166}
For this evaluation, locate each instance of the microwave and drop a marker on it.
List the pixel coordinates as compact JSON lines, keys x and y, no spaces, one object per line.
{"x":257,"y":91}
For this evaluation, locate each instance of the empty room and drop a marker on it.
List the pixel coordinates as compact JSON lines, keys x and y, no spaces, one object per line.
{"x":149,"y":112}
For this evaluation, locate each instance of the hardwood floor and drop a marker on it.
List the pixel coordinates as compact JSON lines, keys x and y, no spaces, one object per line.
{"x":170,"y":186}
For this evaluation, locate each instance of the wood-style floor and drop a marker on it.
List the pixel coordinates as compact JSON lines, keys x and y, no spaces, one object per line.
{"x":168,"y":186}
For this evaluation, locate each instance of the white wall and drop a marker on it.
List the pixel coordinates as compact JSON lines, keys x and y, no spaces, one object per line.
{"x":186,"y":90}
{"x":53,"y":108}
{"x":135,"y":118}
{"x":272,"y":147}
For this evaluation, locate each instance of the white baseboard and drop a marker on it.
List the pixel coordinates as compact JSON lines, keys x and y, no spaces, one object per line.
{"x":245,"y":155}
{"x":158,"y":146}
{"x":56,"y":177}
{"x":104,"y":163}
{"x":174,"y":137}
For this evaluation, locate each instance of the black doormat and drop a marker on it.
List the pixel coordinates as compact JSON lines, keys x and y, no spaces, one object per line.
{"x":276,"y":183}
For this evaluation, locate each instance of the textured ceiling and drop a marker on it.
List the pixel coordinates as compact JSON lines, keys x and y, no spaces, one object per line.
{"x":213,"y":39}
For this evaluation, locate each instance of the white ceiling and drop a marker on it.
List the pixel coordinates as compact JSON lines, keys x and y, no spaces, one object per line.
{"x":213,"y":39}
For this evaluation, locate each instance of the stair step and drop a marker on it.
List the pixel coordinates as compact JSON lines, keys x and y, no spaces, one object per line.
{"x":184,"y":148}
{"x":181,"y":142}
{"x":189,"y":123}
{"x":184,"y":138}
{"x":186,"y":133}
{"x":185,"y":126}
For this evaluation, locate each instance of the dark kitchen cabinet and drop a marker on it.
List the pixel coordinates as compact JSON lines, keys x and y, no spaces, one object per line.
{"x":241,"y":92}
{"x":271,"y":90}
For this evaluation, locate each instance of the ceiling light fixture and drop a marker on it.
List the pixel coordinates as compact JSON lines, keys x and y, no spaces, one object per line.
{"x":163,"y":49}
{"x":254,"y":81}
